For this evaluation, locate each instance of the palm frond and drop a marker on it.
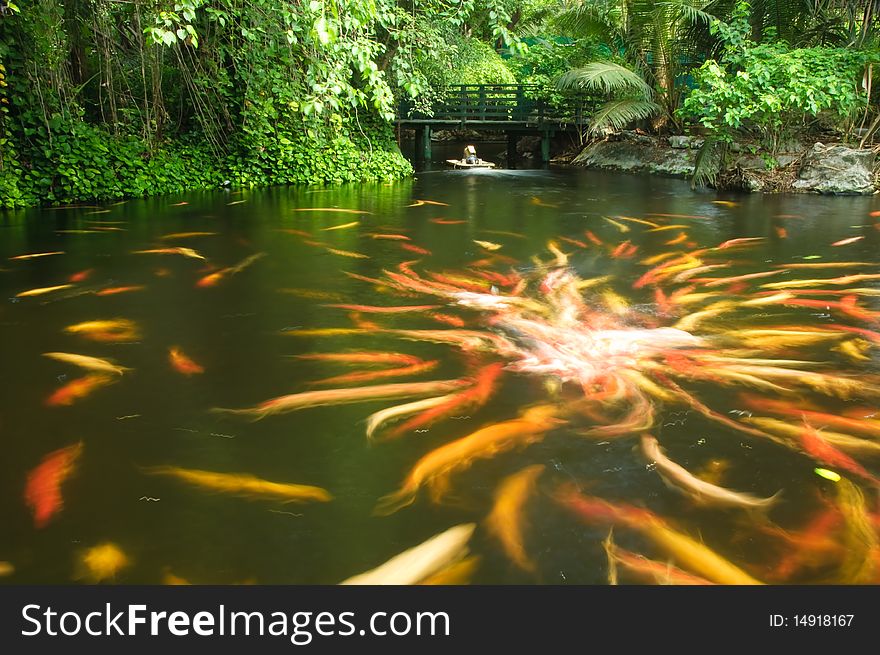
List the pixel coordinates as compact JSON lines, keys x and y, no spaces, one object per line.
{"x":605,"y":76}
{"x":709,"y":162}
{"x":617,"y":114}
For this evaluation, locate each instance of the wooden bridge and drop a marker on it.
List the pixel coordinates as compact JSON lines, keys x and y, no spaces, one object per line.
{"x":509,"y":108}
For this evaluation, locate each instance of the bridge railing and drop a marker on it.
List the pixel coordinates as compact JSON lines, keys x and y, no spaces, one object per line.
{"x":496,"y":103}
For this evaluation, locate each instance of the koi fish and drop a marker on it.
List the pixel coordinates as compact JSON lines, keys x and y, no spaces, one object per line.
{"x":306,"y":399}
{"x":212,"y":279}
{"x":183,"y":364}
{"x":823,"y":452}
{"x":78,"y":389}
{"x":540,"y":203}
{"x":102,"y":562}
{"x":421,"y":203}
{"x":391,"y":237}
{"x":505,"y":521}
{"x":666,"y":228}
{"x":378,"y":419}
{"x":244,"y":484}
{"x":488,"y":245}
{"x":638,"y":220}
{"x":674,"y":242}
{"x":846,"y":242}
{"x":373,"y":309}
{"x":827,"y":265}
{"x":725,"y":203}
{"x":620,"y":226}
{"x":689,"y":553}
{"x":88,"y":363}
{"x":454,"y":321}
{"x":446,"y":221}
{"x":347,"y":253}
{"x":818,"y":282}
{"x":701,"y":491}
{"x":836,"y":440}
{"x":43,"y":290}
{"x":341,"y":227}
{"x":715,"y":282}
{"x":574,"y":242}
{"x":368,"y":376}
{"x":416,"y":249}
{"x":7,"y":569}
{"x":457,"y":573}
{"x":593,"y":238}
{"x":187,"y":235}
{"x":647,"y":569}
{"x":335,"y":210}
{"x":730,"y":243}
{"x":433,"y":470}
{"x":43,"y":487}
{"x":781,"y":232}
{"x":419,"y":562}
{"x":35,"y":255}
{"x":185,"y":252}
{"x":82,"y":276}
{"x":117,"y":329}
{"x":112,"y":291}
{"x":858,"y":537}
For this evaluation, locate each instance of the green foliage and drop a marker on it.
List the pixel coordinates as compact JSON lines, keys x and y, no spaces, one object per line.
{"x":478,"y":63}
{"x":769,"y":92}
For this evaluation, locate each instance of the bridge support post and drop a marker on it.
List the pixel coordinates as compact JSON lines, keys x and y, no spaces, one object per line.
{"x":423,"y":143}
{"x":545,"y":147}
{"x":511,"y":149}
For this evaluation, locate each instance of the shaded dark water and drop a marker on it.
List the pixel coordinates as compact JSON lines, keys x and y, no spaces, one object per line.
{"x":239,"y":331}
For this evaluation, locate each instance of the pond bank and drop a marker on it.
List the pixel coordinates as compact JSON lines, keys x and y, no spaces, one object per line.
{"x":821,"y":168}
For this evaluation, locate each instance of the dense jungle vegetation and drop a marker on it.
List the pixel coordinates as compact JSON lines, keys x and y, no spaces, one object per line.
{"x":105,"y":99}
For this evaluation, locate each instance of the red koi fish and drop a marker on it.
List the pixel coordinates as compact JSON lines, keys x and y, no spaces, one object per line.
{"x":42,"y":491}
{"x":742,"y":241}
{"x":82,"y":276}
{"x":448,"y":319}
{"x":592,"y":237}
{"x":822,"y":451}
{"x":574,"y":242}
{"x":183,"y":364}
{"x":416,"y":249}
{"x":112,"y":291}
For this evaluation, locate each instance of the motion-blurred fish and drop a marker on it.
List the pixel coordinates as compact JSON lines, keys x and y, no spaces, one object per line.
{"x":36,"y":254}
{"x":689,"y":553}
{"x":182,"y":363}
{"x":43,"y":487}
{"x":347,"y":253}
{"x":116,"y":329}
{"x":102,"y":562}
{"x":88,"y":363}
{"x":419,"y":562}
{"x":113,"y":291}
{"x":488,"y":245}
{"x":506,"y":521}
{"x":306,"y":399}
{"x":700,"y":490}
{"x":244,"y":484}
{"x":185,"y":252}
{"x":78,"y":389}
{"x":457,"y":573}
{"x":416,"y":249}
{"x":446,"y":221}
{"x":647,"y":570}
{"x":537,"y":202}
{"x":420,"y":203}
{"x":212,"y":279}
{"x":825,"y":453}
{"x":186,"y":235}
{"x":846,"y":242}
{"x":391,"y":237}
{"x":433,"y":469}
{"x":620,"y":226}
{"x":43,"y":290}
{"x":344,"y":226}
{"x":742,"y":241}
{"x":81,"y":276}
{"x":335,"y":210}
{"x":373,"y":309}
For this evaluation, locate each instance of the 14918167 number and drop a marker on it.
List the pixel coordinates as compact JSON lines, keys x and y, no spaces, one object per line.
{"x":823,"y":620}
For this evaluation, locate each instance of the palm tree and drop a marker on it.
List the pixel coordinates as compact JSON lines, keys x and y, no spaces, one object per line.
{"x":650,"y":45}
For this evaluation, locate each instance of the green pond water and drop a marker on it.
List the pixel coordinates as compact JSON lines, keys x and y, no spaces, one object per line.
{"x":240,"y":331}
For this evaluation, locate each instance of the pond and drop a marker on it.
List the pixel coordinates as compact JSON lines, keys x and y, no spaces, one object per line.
{"x":578,"y":311}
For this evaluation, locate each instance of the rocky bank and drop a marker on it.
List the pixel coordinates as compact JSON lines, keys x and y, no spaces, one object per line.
{"x":820,"y":168}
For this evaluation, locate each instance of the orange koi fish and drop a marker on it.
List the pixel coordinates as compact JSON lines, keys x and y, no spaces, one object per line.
{"x":822,"y":451}
{"x":244,"y":484}
{"x":373,"y":309}
{"x":43,"y":487}
{"x":681,"y":237}
{"x":78,"y":389}
{"x":448,"y":319}
{"x":212,"y":279}
{"x":183,"y":364}
{"x":433,"y":470}
{"x":368,"y":376}
{"x":416,"y":249}
{"x":446,"y":221}
{"x":574,"y":242}
{"x":647,"y":570}
{"x":82,"y":276}
{"x":689,"y":553}
{"x":781,"y":232}
{"x":506,"y":521}
{"x":592,"y":237}
{"x":112,"y":291}
{"x":743,"y":241}
{"x":117,"y":329}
